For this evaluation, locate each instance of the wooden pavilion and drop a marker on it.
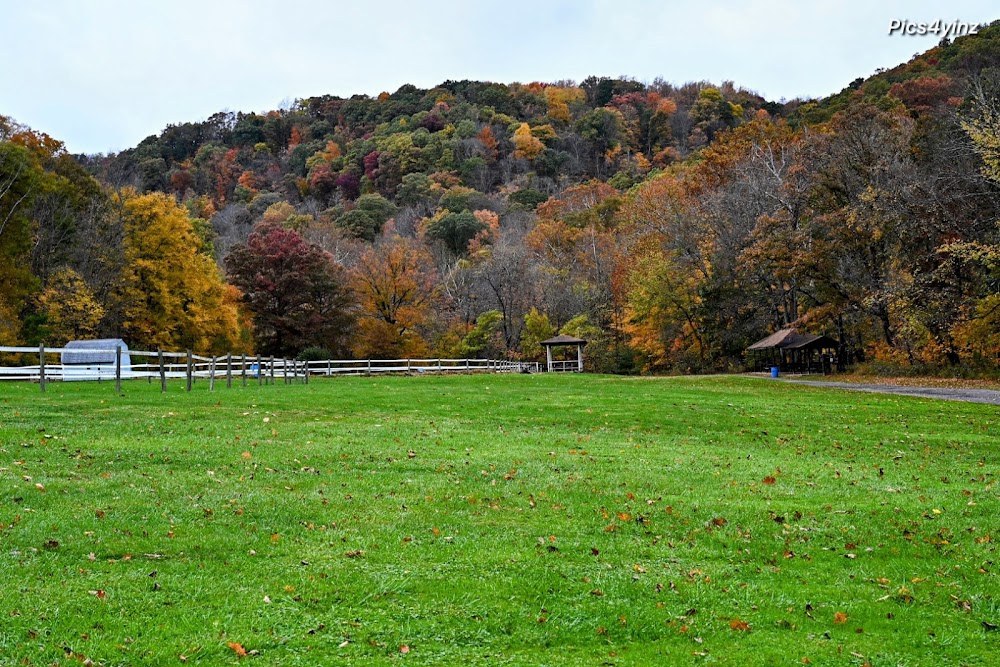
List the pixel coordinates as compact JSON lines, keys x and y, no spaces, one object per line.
{"x":562,"y":340}
{"x":790,"y":350}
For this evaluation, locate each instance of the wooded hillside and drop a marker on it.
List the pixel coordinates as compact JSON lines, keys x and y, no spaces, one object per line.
{"x":669,"y":225}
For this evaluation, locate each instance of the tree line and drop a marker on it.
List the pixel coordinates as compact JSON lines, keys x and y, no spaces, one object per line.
{"x":671,"y":226}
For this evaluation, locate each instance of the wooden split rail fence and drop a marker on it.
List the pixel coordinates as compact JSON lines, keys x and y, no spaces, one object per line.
{"x":242,"y":369}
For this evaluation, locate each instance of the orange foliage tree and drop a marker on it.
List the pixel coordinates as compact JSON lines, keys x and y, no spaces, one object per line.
{"x":394,"y":281}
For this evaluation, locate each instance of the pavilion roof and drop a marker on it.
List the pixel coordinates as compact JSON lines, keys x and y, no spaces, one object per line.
{"x":791,"y":339}
{"x":563,"y":339}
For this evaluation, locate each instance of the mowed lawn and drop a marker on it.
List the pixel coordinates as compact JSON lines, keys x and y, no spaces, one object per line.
{"x":486,"y":520}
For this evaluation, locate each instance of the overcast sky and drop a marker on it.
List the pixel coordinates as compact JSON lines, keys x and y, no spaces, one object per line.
{"x":101,"y":75}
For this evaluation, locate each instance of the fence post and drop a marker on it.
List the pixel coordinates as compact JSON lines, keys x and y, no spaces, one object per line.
{"x":211,"y":374}
{"x":229,"y":370}
{"x":270,"y":365}
{"x":329,"y":368}
{"x":439,"y":364}
{"x":260,"y":372}
{"x":41,"y":367}
{"x":369,"y":367}
{"x":305,"y":372}
{"x":284,"y":370}
{"x":118,"y":369}
{"x":243,"y":366}
{"x":190,"y":370}
{"x":163,"y":371}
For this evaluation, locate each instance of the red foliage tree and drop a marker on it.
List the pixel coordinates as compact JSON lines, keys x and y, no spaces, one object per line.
{"x":297,"y":293}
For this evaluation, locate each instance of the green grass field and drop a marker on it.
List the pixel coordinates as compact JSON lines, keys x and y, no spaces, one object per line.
{"x":485,"y":520}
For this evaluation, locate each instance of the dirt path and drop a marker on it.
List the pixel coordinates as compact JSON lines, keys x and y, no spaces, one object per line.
{"x":989,"y":396}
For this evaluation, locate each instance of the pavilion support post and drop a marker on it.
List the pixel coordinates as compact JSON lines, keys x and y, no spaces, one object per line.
{"x":548,"y":358}
{"x":579,"y":358}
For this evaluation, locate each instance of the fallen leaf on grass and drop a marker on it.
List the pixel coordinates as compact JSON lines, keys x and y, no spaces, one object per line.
{"x":769,"y":480}
{"x":238,"y":649}
{"x":355,"y":554}
{"x":739,"y":625}
{"x":840,"y":618}
{"x":404,"y":649}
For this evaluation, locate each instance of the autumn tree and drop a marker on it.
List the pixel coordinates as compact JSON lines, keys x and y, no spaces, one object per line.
{"x":297,"y":294}
{"x":536,"y":329}
{"x":171,"y":294}
{"x":526,"y":144}
{"x":20,"y":180}
{"x":395,"y":285}
{"x":983,"y":125}
{"x":70,"y":308}
{"x":509,"y":277}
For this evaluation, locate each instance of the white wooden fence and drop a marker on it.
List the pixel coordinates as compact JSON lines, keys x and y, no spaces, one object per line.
{"x":242,"y":369}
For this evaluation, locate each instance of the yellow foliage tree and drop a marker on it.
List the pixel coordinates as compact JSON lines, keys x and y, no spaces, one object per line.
{"x":71,"y":310}
{"x":526,"y":144}
{"x":172,"y":295}
{"x":559,"y":99}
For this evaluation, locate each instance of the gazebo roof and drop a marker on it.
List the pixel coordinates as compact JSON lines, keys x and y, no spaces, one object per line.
{"x":791,"y":339}
{"x":563,"y":339}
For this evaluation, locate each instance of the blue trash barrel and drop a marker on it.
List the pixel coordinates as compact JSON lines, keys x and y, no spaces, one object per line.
{"x":774,"y":371}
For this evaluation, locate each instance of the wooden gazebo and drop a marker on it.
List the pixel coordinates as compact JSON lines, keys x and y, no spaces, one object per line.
{"x":791,"y":350}
{"x":562,"y":340}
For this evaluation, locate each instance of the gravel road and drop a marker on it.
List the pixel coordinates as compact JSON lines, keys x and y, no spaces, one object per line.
{"x":988,"y":396}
